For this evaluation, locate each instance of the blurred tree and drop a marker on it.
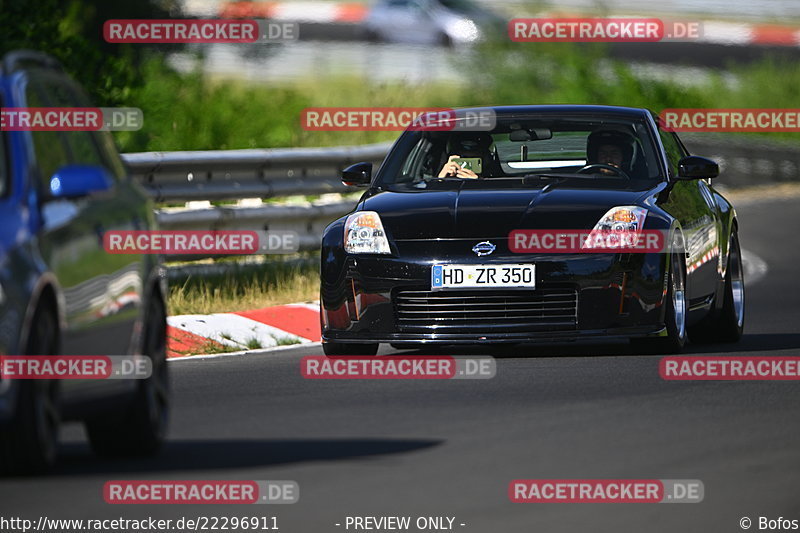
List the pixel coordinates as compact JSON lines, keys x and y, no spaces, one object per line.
{"x":571,"y":73}
{"x":72,"y":32}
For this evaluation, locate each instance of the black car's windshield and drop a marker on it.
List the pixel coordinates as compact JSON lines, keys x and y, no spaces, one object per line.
{"x":583,"y":152}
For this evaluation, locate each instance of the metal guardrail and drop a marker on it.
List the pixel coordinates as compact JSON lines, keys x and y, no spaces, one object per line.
{"x":233,"y":174}
{"x":747,"y":161}
{"x":237,"y":174}
{"x":173,"y":177}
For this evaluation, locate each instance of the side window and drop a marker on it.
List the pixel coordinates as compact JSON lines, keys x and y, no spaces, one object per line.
{"x":50,"y":147}
{"x":108,"y":149}
{"x":684,"y":151}
{"x":414,"y":167}
{"x":56,"y":149}
{"x":673,"y":149}
{"x":101,"y":142}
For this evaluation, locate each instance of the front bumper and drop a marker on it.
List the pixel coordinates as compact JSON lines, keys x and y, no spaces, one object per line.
{"x":616,"y":296}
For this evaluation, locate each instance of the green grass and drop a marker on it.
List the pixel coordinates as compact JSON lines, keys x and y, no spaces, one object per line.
{"x":244,"y":288}
{"x":210,"y":347}
{"x":193,"y":112}
{"x":253,"y":344}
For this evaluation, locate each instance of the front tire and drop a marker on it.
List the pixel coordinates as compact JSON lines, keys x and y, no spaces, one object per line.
{"x":674,"y":312}
{"x":140,"y":431}
{"x":726,"y":324}
{"x":344,"y":348}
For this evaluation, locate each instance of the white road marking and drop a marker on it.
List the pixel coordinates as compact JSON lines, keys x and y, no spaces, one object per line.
{"x":232,"y":330}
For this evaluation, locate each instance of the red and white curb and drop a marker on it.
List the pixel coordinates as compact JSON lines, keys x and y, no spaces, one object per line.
{"x":245,"y":330}
{"x":325,"y":12}
{"x":750,"y":34}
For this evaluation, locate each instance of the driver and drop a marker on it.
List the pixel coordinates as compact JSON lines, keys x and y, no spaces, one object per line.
{"x":610,"y":147}
{"x":470,"y":145}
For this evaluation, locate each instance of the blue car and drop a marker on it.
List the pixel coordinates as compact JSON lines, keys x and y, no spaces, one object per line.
{"x":60,"y":292}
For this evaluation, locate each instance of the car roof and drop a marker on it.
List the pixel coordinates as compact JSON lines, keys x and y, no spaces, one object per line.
{"x":21,"y":59}
{"x":605,"y":110}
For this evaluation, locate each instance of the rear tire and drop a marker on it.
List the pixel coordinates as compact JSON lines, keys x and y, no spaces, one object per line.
{"x":343,"y":348}
{"x":140,"y":431}
{"x":726,"y":324}
{"x":28,"y":443}
{"x":674,"y":313}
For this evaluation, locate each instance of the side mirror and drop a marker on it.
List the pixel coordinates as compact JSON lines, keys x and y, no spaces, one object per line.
{"x":358,"y":175}
{"x":696,"y":167}
{"x":76,"y":181}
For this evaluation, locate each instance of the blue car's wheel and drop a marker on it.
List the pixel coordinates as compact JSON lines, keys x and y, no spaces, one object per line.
{"x":142,"y":428}
{"x":28,"y":443}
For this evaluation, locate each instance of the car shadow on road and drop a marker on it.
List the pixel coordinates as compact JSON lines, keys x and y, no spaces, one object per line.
{"x":76,"y":459}
{"x":511,"y":351}
{"x":758,"y":342}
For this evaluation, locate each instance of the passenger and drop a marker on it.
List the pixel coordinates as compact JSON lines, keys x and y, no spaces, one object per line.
{"x":461,"y":146}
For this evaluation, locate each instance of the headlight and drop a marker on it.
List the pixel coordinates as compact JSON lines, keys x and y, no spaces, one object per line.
{"x":619,"y":230}
{"x":622,"y":218}
{"x":363,"y":234}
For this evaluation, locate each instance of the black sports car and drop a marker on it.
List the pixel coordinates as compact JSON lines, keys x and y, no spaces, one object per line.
{"x":426,"y":256}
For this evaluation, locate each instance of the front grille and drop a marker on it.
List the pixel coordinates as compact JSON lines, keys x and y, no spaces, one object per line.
{"x":551,"y":309}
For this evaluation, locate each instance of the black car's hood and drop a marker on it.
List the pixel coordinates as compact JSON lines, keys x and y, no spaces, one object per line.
{"x":489,"y":213}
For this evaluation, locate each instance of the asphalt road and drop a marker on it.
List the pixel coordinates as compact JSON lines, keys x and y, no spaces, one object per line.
{"x":450,"y":448}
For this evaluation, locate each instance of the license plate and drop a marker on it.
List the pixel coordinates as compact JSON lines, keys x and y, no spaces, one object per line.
{"x":483,"y":276}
